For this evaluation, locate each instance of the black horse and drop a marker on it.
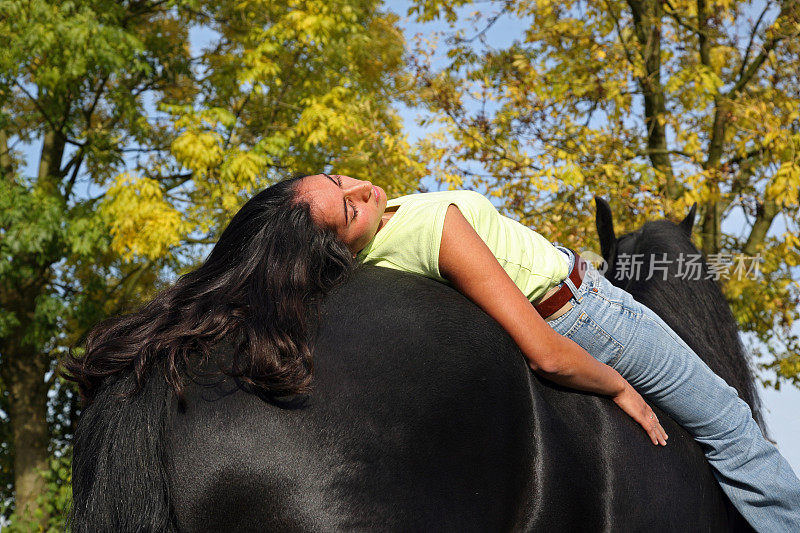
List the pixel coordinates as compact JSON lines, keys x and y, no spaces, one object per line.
{"x":424,"y":417}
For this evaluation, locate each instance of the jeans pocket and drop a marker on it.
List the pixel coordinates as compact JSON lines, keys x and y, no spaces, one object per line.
{"x":592,"y":334}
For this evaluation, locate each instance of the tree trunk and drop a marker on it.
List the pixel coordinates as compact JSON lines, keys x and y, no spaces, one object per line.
{"x":24,"y":366}
{"x":24,"y":377}
{"x":711,"y":228}
{"x":6,"y":166}
{"x":647,"y":16}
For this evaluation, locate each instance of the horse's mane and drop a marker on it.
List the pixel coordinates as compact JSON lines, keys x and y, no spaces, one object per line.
{"x":684,"y":296}
{"x":120,"y":465}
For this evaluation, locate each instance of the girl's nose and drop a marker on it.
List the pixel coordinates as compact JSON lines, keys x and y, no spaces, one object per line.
{"x":359,"y":189}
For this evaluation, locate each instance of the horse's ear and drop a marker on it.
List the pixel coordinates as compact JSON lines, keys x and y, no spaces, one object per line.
{"x":688,"y":222}
{"x":605,"y":229}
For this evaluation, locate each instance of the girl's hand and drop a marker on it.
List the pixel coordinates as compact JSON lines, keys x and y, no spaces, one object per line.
{"x":632,"y":403}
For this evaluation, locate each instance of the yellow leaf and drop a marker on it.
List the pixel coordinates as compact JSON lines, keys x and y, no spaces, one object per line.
{"x":141,"y":222}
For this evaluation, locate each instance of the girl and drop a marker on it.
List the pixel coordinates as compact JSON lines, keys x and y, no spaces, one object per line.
{"x":599,"y":340}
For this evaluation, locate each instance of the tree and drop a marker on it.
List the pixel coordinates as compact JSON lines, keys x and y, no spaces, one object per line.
{"x":655,"y":104}
{"x":147,"y":151}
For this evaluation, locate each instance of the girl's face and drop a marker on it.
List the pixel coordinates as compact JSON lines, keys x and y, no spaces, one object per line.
{"x":352,"y":208}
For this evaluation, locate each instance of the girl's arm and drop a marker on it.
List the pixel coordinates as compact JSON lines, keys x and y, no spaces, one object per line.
{"x":468,"y":263}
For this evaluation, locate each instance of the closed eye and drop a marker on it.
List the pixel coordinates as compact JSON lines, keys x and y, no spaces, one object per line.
{"x":338,"y":181}
{"x":355,"y":211}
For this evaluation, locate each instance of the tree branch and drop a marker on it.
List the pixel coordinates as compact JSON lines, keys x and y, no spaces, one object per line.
{"x":765,"y":214}
{"x":702,"y":34}
{"x":678,"y":20}
{"x":618,"y":27}
{"x":200,"y":241}
{"x":127,"y":280}
{"x":724,"y":103}
{"x":739,"y":159}
{"x":488,"y":26}
{"x":790,"y":10}
{"x":74,"y":177}
{"x":752,"y":39}
{"x":667,"y":151}
{"x":37,"y":105}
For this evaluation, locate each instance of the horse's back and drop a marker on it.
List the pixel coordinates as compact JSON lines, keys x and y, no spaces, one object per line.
{"x":424,"y":416}
{"x":416,"y":421}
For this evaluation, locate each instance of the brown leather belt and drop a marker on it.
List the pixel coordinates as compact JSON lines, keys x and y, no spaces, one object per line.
{"x":563,"y":295}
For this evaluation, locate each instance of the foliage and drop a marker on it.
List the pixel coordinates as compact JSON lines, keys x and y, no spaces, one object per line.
{"x":145,"y":151}
{"x":655,"y":105}
{"x":53,"y":503}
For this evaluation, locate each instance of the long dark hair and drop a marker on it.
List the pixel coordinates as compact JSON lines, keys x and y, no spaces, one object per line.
{"x":259,"y":288}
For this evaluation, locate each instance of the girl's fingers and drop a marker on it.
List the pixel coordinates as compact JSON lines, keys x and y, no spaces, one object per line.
{"x":653,"y":437}
{"x":654,"y":429}
{"x":660,"y":434}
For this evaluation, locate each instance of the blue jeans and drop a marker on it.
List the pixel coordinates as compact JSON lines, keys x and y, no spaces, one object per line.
{"x":628,"y":336}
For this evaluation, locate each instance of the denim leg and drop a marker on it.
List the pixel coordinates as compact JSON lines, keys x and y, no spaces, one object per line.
{"x":619,"y":331}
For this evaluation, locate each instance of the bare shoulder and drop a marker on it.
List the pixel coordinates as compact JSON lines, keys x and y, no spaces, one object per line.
{"x":462,"y":252}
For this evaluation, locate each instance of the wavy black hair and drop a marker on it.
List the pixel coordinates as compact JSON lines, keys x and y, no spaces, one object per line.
{"x":259,"y":288}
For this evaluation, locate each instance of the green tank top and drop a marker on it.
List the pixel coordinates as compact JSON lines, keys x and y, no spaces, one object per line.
{"x":410,"y":240}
